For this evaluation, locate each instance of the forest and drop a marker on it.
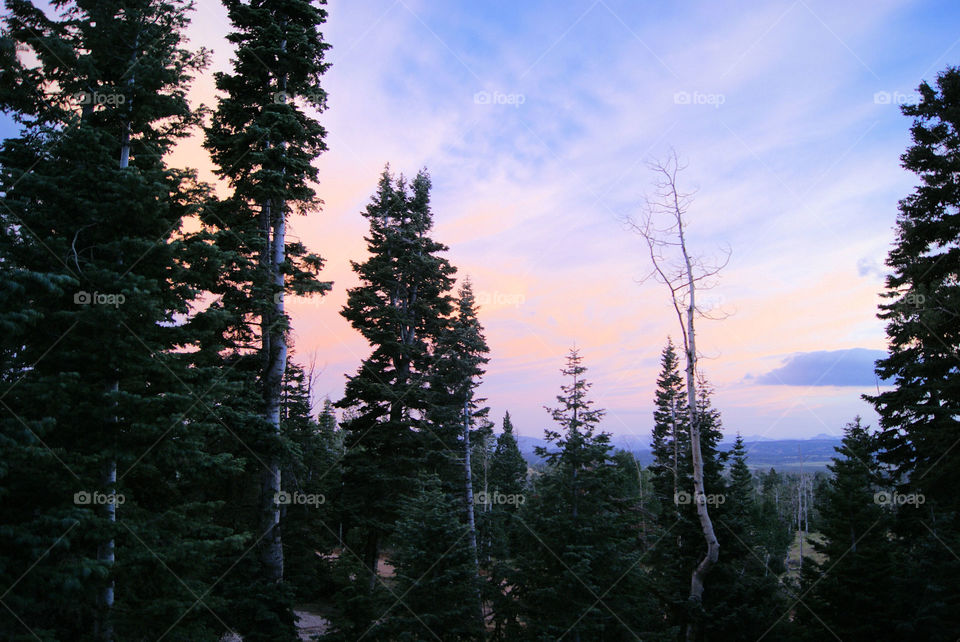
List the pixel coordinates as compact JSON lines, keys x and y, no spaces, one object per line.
{"x":169,"y":471}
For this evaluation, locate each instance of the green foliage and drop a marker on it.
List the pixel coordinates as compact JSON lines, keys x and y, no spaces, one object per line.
{"x":919,"y":423}
{"x":858,"y":571}
{"x":435,"y":574}
{"x":577,"y":570}
{"x":99,"y":369}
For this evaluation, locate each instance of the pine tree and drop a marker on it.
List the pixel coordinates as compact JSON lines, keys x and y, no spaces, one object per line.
{"x":919,"y":422}
{"x":506,"y":494}
{"x":263,"y":142}
{"x":670,"y":442}
{"x":508,"y":475}
{"x":102,"y":386}
{"x":402,"y":308}
{"x":311,"y":478}
{"x":436,"y":580}
{"x":859,"y":567}
{"x":577,"y":574}
{"x":675,"y":542}
{"x":746,"y":600}
{"x":918,"y":416}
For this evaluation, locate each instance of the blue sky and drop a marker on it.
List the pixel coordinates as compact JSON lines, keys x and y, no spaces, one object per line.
{"x":536,"y":121}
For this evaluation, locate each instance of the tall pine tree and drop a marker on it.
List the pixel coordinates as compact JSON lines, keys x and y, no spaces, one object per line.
{"x":263,"y":140}
{"x":402,"y":307}
{"x":104,"y":425}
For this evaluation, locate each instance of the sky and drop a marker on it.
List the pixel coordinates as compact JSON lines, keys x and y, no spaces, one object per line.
{"x":537,"y":122}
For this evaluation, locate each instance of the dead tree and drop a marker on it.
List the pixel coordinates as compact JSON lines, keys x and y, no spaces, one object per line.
{"x":663,"y":228}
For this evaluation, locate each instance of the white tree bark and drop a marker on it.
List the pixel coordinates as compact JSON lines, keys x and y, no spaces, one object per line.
{"x":683,"y":275}
{"x":274,"y":349}
{"x":471,"y":522}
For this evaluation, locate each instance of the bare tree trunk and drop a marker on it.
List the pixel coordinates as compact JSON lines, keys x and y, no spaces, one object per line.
{"x":703,"y":515}
{"x":471,"y":522}
{"x":680,"y":277}
{"x":106,"y":552}
{"x":676,"y":455}
{"x":274,"y":349}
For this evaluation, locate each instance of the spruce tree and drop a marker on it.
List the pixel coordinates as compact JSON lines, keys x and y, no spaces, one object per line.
{"x":746,"y":599}
{"x":508,"y":475}
{"x":919,"y":421}
{"x":842,"y":592}
{"x":499,"y":528}
{"x":669,"y":444}
{"x":263,"y":139}
{"x":311,"y":481}
{"x":918,"y":418}
{"x":578,"y":573}
{"x":402,"y":308}
{"x":436,"y":582}
{"x":103,"y":429}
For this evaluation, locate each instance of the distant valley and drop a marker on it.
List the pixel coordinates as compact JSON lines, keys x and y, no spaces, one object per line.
{"x":785,"y":455}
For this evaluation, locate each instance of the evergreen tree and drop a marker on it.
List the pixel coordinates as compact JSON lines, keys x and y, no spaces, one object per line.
{"x":857,"y":574}
{"x":263,"y":142}
{"x":919,"y":422}
{"x":578,"y":573}
{"x":918,"y":418}
{"x":670,"y":441}
{"x":675,"y":542}
{"x":311,"y":478}
{"x":508,"y":475}
{"x":103,"y":434}
{"x":499,"y":528}
{"x":436,"y":581}
{"x":402,"y":308}
{"x":746,"y":600}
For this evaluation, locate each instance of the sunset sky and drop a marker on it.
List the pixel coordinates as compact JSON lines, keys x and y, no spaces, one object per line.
{"x":536,"y":121}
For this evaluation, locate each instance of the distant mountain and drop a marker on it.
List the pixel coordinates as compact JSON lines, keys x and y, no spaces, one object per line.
{"x":763,"y":453}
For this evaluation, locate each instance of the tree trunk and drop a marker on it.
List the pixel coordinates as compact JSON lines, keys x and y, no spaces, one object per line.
{"x":274,"y":347}
{"x":471,"y":522}
{"x":703,"y":515}
{"x":371,"y":557}
{"x":275,"y":353}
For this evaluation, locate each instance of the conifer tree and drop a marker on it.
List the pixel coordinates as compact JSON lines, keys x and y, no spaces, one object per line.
{"x":436,"y":581}
{"x":577,"y":574}
{"x":747,"y":600}
{"x":263,"y":139}
{"x":263,"y":143}
{"x":919,"y":422}
{"x":402,"y":308}
{"x":858,"y":572}
{"x":311,"y":480}
{"x":508,"y":475}
{"x":918,"y":418}
{"x":669,"y":443}
{"x":102,"y":390}
{"x":506,"y":494}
